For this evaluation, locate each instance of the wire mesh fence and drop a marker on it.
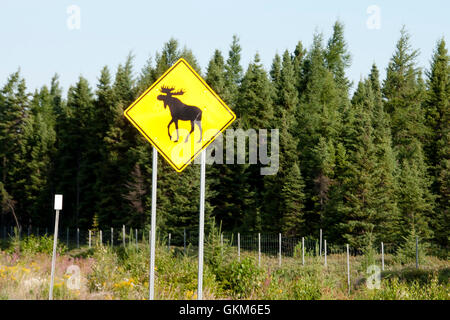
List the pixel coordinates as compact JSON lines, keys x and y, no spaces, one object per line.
{"x":266,"y":248}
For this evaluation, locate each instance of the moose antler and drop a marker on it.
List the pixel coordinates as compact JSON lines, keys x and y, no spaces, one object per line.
{"x":169,"y":92}
{"x":179,"y":92}
{"x":166,"y":90}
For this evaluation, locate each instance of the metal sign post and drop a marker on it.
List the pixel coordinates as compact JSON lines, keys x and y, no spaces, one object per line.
{"x":153,"y":225}
{"x":201,"y":228}
{"x":58,"y":207}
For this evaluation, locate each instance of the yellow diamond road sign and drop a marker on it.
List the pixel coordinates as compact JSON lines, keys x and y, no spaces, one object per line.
{"x":180,"y":115}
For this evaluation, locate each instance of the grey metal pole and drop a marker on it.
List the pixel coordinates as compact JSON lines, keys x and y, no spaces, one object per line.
{"x":123,"y":235}
{"x":170,"y":237}
{"x":259,"y":249}
{"x":184,"y":240}
{"x":303,"y":251}
{"x":55,"y":241}
{"x":348,"y":268}
{"x":382,"y":256}
{"x":201,"y":225}
{"x":320,"y":244}
{"x":239,"y":246}
{"x":153,"y":225}
{"x":325,"y":251}
{"x":101,"y":237}
{"x":417,"y":252}
{"x":279,"y":249}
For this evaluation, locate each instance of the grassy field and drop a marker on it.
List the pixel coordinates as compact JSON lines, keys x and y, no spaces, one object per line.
{"x":123,"y":273}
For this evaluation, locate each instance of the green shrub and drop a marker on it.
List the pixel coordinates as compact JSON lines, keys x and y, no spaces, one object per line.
{"x":33,"y":244}
{"x":307,"y":288}
{"x":406,"y":254}
{"x":241,"y":277}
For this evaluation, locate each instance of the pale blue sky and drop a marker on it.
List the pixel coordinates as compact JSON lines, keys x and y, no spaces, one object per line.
{"x":35,"y":36}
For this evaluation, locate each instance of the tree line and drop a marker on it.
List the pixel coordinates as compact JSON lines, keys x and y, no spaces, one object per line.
{"x":364,"y":166}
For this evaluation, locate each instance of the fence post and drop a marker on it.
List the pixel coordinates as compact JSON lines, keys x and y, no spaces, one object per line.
{"x":279,"y":249}
{"x":136,"y":234}
{"x":78,"y":238}
{"x":170,"y":237}
{"x":325,"y":251}
{"x":259,"y":249}
{"x":89,"y":239}
{"x":417,"y":252}
{"x":239,"y":246}
{"x":112,"y":237}
{"x":101,"y":237}
{"x":123,"y":235}
{"x":184,"y":240}
{"x":303,"y":251}
{"x":382,"y":256}
{"x":320,"y":244}
{"x":348,"y":268}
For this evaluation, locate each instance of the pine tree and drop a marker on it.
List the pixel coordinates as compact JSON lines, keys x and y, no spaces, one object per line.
{"x":403,"y":92}
{"x":254,"y":111}
{"x":362,"y":207}
{"x":318,"y":127}
{"x":338,"y":58}
{"x":233,"y":72}
{"x":437,"y":109}
{"x":13,"y":114}
{"x":279,"y":205}
{"x":37,"y":152}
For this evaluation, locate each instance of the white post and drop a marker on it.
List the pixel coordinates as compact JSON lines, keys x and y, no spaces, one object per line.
{"x":239,"y":246}
{"x":303,"y":251}
{"x":279,"y":249}
{"x":89,"y":239}
{"x":348,"y":268}
{"x":201,"y":225}
{"x":259,"y":249}
{"x":170,"y":237}
{"x":58,"y":207}
{"x":325,"y":251}
{"x":221,"y":244}
{"x":320,"y":244}
{"x":123,"y":235}
{"x":184,"y":240}
{"x":382,"y":256}
{"x":153,"y":225}
{"x":417,"y":252}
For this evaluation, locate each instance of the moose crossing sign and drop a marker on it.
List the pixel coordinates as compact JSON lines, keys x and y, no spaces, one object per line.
{"x":180,"y":115}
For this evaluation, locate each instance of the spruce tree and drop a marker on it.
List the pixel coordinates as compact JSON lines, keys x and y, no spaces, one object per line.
{"x":13,"y":115}
{"x":403,"y":93}
{"x":437,"y":110}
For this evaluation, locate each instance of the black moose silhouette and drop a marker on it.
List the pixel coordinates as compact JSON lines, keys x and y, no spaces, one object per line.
{"x":180,"y":111}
